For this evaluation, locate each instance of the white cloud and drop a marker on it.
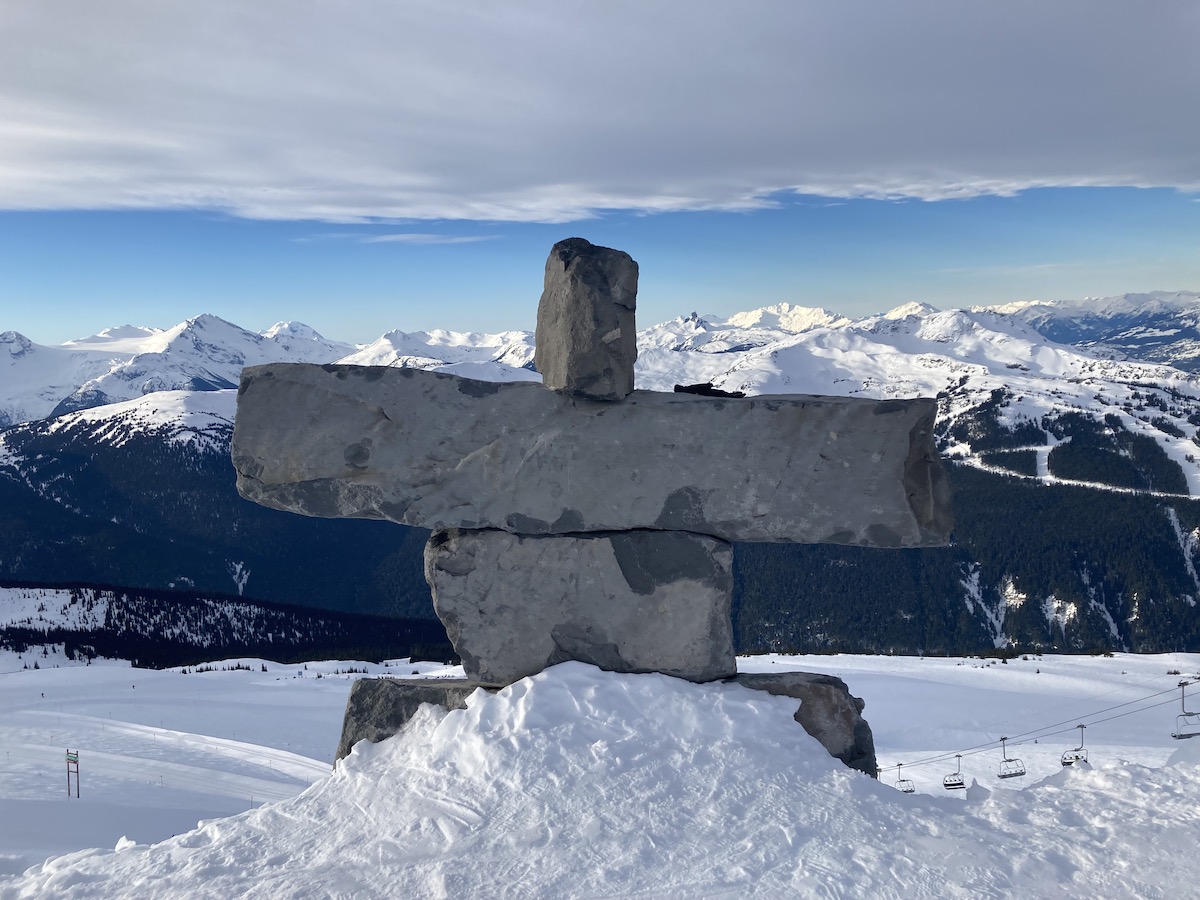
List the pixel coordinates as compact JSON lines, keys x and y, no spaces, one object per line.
{"x":519,"y":111}
{"x":416,"y":238}
{"x":405,"y":237}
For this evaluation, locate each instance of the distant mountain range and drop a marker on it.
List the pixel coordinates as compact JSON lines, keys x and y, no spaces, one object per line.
{"x":1072,"y":431}
{"x":1161,"y":326}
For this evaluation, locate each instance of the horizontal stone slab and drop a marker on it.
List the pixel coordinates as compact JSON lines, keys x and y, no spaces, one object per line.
{"x":438,"y":451}
{"x":633,"y":601}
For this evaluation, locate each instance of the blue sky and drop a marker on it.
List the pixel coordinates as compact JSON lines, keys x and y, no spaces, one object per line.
{"x":388,"y":165}
{"x":67,"y":274}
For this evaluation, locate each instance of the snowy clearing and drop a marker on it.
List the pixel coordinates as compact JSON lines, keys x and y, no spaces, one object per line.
{"x":589,"y":784}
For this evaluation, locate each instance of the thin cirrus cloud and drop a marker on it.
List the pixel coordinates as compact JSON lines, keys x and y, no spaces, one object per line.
{"x":482,"y":111}
{"x":426,"y":239}
{"x":423,"y":239}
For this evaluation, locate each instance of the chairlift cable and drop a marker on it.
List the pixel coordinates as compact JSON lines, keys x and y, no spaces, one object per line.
{"x":1039,"y":733}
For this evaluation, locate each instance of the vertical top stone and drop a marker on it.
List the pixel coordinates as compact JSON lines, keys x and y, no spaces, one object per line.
{"x":586,"y":337}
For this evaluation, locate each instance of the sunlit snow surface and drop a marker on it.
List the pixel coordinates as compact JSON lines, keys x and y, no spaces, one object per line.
{"x":588,"y":784}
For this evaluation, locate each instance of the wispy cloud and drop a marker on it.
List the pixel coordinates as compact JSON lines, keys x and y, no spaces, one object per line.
{"x":414,"y":238}
{"x":412,"y":111}
{"x":404,"y":237}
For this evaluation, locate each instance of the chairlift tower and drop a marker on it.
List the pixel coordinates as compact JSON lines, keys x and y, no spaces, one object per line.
{"x":72,"y":767}
{"x":1187,"y":724}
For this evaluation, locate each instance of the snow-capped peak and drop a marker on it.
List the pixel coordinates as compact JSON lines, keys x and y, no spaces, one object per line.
{"x":294,"y":330}
{"x":786,"y":317}
{"x":907,"y":310}
{"x":15,"y":343}
{"x":125,"y":335}
{"x":505,"y":356}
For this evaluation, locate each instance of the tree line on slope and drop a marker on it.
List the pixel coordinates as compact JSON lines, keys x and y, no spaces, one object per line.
{"x":1099,"y":570}
{"x":157,"y":629}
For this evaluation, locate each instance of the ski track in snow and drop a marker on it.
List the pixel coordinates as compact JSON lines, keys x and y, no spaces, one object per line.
{"x":578,"y":783}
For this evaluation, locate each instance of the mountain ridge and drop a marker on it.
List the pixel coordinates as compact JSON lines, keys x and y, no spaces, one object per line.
{"x":1075,"y":472}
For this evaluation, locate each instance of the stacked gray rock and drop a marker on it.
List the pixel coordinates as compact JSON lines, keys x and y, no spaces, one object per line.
{"x":586,"y":342}
{"x":438,"y":451}
{"x":588,"y":521}
{"x":633,"y":601}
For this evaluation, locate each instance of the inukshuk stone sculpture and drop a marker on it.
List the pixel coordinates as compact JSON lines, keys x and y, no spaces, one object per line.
{"x":579,"y":518}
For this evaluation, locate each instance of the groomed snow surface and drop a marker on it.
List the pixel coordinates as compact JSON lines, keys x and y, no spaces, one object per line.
{"x":579,"y":783}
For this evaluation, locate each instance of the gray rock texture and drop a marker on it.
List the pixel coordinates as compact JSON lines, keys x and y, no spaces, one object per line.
{"x":586,"y":339}
{"x":380,"y":707}
{"x":637,"y":601}
{"x":827,"y":711}
{"x":439,"y":451}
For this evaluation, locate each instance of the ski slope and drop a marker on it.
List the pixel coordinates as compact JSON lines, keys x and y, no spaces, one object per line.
{"x":581,"y":783}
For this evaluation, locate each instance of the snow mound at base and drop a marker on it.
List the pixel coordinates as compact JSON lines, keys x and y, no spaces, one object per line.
{"x":579,"y":783}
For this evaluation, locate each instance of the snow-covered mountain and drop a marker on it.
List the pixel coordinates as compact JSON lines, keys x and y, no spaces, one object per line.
{"x":202,"y":354}
{"x":34,"y":379}
{"x":963,"y":356}
{"x":207,"y":353}
{"x":1159,"y":326}
{"x":203,"y":419}
{"x":977,"y":362}
{"x":1075,"y":473}
{"x":507,"y":356}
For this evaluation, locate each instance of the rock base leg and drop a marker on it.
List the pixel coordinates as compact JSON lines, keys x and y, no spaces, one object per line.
{"x":380,"y":707}
{"x":629,"y":601}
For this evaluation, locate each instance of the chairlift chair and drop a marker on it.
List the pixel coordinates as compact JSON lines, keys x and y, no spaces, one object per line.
{"x":954,"y":781}
{"x":1079,"y":754}
{"x":1187,"y":724}
{"x":1009,"y":768}
{"x":904,"y":784}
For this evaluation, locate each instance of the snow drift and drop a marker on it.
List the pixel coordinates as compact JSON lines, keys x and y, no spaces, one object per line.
{"x":578,"y":783}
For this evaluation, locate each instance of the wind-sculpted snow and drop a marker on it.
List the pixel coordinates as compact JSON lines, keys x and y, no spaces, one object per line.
{"x":578,"y":783}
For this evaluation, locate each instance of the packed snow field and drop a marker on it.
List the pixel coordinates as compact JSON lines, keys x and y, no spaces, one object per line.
{"x":582,"y":783}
